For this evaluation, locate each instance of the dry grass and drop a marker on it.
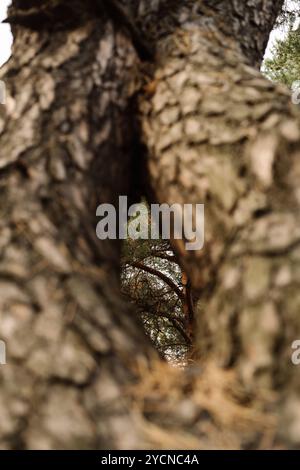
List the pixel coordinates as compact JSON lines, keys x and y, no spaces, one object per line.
{"x":197,"y":408}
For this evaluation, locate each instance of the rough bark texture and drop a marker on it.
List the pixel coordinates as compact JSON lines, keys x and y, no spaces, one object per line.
{"x":66,"y":146}
{"x":215,"y":132}
{"x":218,"y":133}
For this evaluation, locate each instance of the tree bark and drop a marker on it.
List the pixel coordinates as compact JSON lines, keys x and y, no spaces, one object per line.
{"x":66,"y":146}
{"x":219,"y":133}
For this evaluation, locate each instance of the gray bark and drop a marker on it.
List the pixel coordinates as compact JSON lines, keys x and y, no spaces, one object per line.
{"x":215,"y":132}
{"x":66,"y":146}
{"x":219,"y":133}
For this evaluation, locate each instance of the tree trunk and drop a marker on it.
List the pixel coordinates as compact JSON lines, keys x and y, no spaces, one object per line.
{"x":66,"y":146}
{"x":219,"y":133}
{"x":215,"y":132}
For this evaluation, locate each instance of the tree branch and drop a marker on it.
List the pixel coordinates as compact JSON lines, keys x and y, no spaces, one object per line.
{"x":160,"y":275}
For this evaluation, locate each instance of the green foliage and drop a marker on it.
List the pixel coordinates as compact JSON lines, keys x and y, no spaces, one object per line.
{"x":151,"y":280}
{"x":284,"y":66}
{"x":290,"y":11}
{"x":157,"y":302}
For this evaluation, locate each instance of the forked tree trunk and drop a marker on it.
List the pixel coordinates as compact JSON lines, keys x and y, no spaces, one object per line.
{"x":217,"y":133}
